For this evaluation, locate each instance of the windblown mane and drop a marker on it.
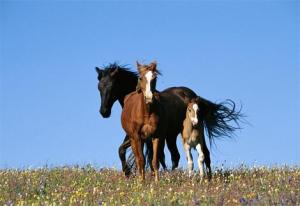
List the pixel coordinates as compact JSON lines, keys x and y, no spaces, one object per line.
{"x":123,"y":69}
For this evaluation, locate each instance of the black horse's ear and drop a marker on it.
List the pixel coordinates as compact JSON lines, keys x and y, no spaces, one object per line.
{"x":99,"y":71}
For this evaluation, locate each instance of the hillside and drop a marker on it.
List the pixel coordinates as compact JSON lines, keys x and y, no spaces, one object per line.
{"x":90,"y":186}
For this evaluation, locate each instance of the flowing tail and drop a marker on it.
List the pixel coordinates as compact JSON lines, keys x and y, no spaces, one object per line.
{"x":220,"y":119}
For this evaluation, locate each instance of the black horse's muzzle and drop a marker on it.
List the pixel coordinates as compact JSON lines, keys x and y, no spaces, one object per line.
{"x":105,"y":113}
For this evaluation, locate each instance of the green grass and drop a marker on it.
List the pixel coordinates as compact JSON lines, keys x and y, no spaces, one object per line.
{"x":89,"y":186}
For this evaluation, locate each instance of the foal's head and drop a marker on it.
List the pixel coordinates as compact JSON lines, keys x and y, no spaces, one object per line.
{"x":192,"y":111}
{"x":147,"y":83}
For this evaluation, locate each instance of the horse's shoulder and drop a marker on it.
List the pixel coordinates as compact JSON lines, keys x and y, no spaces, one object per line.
{"x":130,"y":95}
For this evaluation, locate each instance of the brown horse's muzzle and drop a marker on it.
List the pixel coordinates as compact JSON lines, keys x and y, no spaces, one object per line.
{"x":148,"y":98}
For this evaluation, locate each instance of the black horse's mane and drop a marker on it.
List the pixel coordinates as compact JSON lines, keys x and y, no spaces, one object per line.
{"x":123,"y":69}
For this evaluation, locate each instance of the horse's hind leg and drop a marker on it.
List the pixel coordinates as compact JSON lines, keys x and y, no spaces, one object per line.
{"x":122,"y":155}
{"x":161,"y":154}
{"x":175,"y":156}
{"x":149,"y":153}
{"x":207,"y":160}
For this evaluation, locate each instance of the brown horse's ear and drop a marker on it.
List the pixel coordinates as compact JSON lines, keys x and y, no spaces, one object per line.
{"x":140,"y":67}
{"x":153,"y":65}
{"x":113,"y":73}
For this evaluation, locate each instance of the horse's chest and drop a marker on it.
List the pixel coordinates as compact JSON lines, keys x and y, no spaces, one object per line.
{"x":149,"y":126}
{"x":192,"y":138}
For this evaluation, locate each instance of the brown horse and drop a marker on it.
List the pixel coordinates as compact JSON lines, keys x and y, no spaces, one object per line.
{"x":142,"y":117}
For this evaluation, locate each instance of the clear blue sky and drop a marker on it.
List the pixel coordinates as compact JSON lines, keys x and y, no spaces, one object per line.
{"x":244,"y":50}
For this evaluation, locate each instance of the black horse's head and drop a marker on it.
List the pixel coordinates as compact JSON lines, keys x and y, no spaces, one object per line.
{"x":108,"y":87}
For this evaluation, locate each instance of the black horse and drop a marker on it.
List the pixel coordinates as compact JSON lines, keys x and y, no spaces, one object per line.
{"x":116,"y":81}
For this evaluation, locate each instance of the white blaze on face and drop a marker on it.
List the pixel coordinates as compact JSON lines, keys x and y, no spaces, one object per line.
{"x":148,"y":93}
{"x":194,"y":119}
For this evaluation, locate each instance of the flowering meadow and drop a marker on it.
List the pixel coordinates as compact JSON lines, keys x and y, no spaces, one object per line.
{"x":90,"y":186}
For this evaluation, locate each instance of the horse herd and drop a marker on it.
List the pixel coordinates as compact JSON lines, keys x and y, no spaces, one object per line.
{"x":154,"y":117}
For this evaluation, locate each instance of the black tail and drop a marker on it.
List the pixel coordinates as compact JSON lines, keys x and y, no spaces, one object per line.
{"x":220,"y":119}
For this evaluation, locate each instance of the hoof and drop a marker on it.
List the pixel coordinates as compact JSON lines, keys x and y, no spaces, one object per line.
{"x":209,"y":177}
{"x":127,"y":172}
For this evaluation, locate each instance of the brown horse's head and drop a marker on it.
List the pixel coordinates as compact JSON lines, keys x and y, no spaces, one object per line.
{"x":192,"y":111}
{"x":147,"y":83}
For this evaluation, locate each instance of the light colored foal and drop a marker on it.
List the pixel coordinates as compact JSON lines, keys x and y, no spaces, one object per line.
{"x":193,"y":137}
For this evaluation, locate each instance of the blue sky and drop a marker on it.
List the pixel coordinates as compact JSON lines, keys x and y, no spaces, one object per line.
{"x":244,"y":50}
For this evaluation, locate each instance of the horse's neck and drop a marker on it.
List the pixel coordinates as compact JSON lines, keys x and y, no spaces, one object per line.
{"x":188,"y":127}
{"x":126,"y":89}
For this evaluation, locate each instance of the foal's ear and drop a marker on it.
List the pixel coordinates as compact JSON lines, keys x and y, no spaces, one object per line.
{"x":138,"y":65}
{"x":99,"y":71}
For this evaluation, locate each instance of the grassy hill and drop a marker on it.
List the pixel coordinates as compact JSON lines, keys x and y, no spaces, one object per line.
{"x":89,"y":186}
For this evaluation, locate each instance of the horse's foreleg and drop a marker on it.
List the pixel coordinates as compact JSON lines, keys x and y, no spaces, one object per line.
{"x":122,"y":155}
{"x":155,"y":142}
{"x":175,"y":156}
{"x":136,"y":146}
{"x":189,"y":157}
{"x":200,"y":159}
{"x":142,"y":159}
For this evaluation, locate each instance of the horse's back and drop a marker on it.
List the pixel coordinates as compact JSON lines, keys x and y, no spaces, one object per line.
{"x":184,"y":93}
{"x":174,"y":101}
